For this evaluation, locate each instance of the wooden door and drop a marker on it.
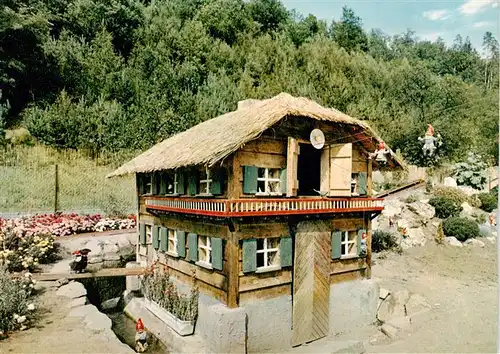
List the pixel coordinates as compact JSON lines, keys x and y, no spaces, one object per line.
{"x":292,"y":163}
{"x":311,"y":285}
{"x":336,"y":170}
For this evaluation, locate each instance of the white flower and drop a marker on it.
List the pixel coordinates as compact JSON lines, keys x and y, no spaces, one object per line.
{"x":31,"y":307}
{"x":21,"y":319}
{"x":27,"y":274}
{"x":16,"y":316}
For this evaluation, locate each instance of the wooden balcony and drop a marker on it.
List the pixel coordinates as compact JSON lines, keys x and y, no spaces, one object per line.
{"x":264,"y":207}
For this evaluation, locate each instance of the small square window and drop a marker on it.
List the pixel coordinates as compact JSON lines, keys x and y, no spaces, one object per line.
{"x":349,"y":244}
{"x":149,"y":233}
{"x":268,"y":181}
{"x":148,"y":183}
{"x":204,"y":250}
{"x":205,"y":180}
{"x":172,"y":241}
{"x":268,"y":255}
{"x":169,"y":183}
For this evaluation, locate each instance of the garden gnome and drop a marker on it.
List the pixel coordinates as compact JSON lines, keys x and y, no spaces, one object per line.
{"x":379,"y":154}
{"x":492,"y":218}
{"x":140,"y":337}
{"x":363,"y":249}
{"x":429,"y":140}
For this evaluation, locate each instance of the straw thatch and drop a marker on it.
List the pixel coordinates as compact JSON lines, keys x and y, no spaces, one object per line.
{"x":211,"y":141}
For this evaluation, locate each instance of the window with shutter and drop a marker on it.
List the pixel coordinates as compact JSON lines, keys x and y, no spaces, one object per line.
{"x":249,"y":179}
{"x":217,"y":250}
{"x":193,"y":182}
{"x":142,"y":233}
{"x":217,"y":183}
{"x":249,"y":255}
{"x":156,"y":237}
{"x":362,"y":183}
{"x":149,"y":233}
{"x":164,"y":239}
{"x":181,"y":243}
{"x":268,"y":254}
{"x":336,"y":244}
{"x":172,"y":242}
{"x":286,"y":251}
{"x":192,"y":242}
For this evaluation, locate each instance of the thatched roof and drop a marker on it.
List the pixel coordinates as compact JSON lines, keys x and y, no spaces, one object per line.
{"x":215,"y":139}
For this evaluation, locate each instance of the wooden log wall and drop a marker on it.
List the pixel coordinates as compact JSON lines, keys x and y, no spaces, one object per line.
{"x":211,"y":282}
{"x":262,"y":152}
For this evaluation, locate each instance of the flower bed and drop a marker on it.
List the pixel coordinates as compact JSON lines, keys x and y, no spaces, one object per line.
{"x":64,"y":224}
{"x":179,"y":311}
{"x":17,"y":307}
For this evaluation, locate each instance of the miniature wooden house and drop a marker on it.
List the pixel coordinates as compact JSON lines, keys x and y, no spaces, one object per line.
{"x":256,"y":211}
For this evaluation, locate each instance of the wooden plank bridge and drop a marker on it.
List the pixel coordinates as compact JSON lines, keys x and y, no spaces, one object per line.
{"x":107,"y":272}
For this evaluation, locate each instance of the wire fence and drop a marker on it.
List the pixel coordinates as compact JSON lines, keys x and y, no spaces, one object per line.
{"x":39,"y":179}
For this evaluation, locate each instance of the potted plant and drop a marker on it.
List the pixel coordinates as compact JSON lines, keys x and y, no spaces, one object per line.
{"x":178,"y":310}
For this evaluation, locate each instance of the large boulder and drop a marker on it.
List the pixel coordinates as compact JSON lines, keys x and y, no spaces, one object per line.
{"x":452,"y":241}
{"x":424,"y":210}
{"x":72,"y":290}
{"x":450,"y":182}
{"x":474,"y":242}
{"x":414,"y":237}
{"x":392,"y":207}
{"x":401,"y":304}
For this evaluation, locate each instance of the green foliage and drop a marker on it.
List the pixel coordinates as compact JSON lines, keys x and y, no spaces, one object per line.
{"x":158,"y":287}
{"x":411,"y":198}
{"x":461,"y":228}
{"x":124,"y":74}
{"x":489,"y":201}
{"x":457,"y":195}
{"x":384,"y":241}
{"x":439,"y":238}
{"x":17,"y":304}
{"x":472,"y":172}
{"x":445,"y":207}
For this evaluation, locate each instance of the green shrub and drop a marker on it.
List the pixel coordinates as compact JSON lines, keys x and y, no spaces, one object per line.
{"x":457,"y":195}
{"x":472,"y":172}
{"x":489,"y":201}
{"x":461,"y":228}
{"x":17,"y":307}
{"x":445,"y":207}
{"x":412,"y":198}
{"x":383,"y":241}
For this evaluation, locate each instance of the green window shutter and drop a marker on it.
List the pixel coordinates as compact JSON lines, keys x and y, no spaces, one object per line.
{"x":362,"y":181}
{"x":192,"y":183}
{"x":336,"y":244}
{"x":164,"y":239}
{"x":181,"y":189}
{"x":217,"y":186}
{"x":181,"y":243}
{"x":142,"y":233}
{"x":217,"y":252}
{"x":359,"y":238}
{"x":140,"y":183}
{"x":163,"y":182}
{"x":156,"y":237}
{"x":283,"y":181}
{"x":286,"y":251}
{"x":154,"y":183}
{"x":249,"y":179}
{"x":249,"y":255}
{"x":193,"y":247}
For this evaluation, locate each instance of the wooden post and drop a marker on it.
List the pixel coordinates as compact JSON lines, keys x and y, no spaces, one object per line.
{"x":233,"y":272}
{"x":56,"y":187}
{"x":369,"y":248}
{"x":369,"y":183}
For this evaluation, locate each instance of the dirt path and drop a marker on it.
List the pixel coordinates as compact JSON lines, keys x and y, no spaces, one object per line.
{"x":460,"y":284}
{"x":56,"y":332}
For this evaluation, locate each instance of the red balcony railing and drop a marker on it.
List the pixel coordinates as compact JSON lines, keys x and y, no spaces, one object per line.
{"x":263,"y":207}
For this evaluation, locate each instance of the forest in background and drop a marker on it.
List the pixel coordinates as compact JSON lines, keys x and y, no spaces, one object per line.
{"x":115,"y":76}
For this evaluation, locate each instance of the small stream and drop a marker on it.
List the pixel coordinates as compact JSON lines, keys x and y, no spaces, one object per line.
{"x":101,"y":289}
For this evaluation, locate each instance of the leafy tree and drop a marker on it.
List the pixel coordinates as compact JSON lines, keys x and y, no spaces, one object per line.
{"x":348,"y":32}
{"x":269,"y":14}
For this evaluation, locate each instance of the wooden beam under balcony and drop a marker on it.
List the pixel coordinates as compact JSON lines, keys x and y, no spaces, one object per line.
{"x":263,"y":207}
